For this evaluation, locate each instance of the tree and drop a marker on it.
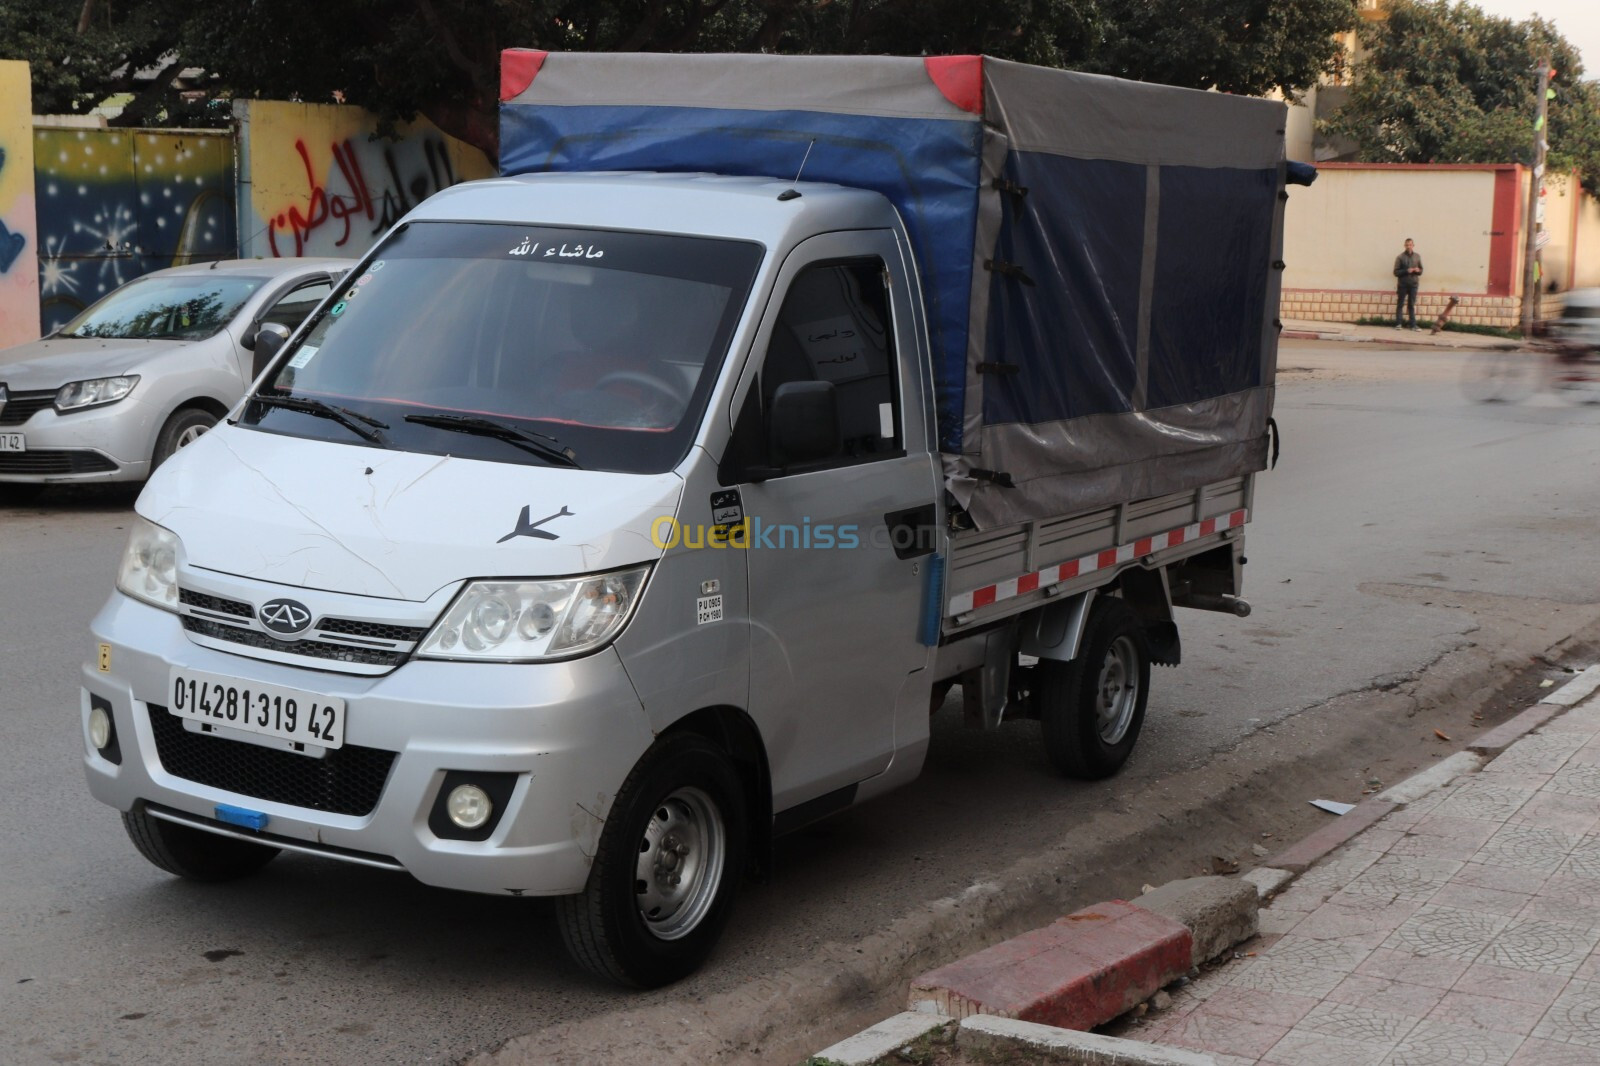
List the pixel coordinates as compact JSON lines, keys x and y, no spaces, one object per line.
{"x":1443,"y":83}
{"x":440,"y":58}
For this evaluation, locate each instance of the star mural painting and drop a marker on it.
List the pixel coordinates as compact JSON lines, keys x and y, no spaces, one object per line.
{"x":115,"y":204}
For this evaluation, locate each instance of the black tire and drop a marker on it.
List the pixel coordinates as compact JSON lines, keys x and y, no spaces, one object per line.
{"x":180,"y":431}
{"x":1092,"y":708}
{"x":193,"y":853}
{"x":623,"y":927}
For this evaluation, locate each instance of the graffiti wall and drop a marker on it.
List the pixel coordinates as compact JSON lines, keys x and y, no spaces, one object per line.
{"x":19,"y":277}
{"x":315,"y":180}
{"x":117,"y":203}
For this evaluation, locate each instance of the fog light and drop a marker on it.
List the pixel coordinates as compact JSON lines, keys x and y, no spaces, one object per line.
{"x":469,"y":806}
{"x":99,"y":728}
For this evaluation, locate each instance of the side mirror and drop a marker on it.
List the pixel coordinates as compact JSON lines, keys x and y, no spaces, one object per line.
{"x":268,"y":342}
{"x":804,"y":422}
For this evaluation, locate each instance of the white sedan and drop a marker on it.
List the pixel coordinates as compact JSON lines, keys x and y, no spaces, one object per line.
{"x":145,"y":370}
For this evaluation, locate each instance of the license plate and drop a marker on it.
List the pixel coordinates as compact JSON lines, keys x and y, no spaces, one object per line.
{"x":12,"y":442}
{"x":271,"y":710}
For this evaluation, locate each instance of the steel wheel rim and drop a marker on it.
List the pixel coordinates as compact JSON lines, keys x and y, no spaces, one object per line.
{"x":681,"y":856}
{"x":1117,"y":690}
{"x":189,"y":436}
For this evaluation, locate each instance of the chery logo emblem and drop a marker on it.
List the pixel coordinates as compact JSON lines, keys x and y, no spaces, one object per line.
{"x":285,"y":617}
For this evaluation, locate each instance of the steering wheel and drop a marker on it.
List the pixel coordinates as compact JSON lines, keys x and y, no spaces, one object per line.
{"x":659,"y":387}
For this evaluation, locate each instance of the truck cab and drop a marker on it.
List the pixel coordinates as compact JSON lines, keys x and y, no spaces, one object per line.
{"x":577,"y":542}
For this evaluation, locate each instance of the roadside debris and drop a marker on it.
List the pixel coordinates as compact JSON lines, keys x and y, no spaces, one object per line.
{"x":1333,"y":806}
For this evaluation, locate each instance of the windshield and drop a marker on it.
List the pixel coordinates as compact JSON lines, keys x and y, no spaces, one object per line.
{"x":187,"y":308}
{"x":519,"y":344}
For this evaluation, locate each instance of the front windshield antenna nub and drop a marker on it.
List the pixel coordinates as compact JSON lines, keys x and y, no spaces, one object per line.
{"x":792,"y":193}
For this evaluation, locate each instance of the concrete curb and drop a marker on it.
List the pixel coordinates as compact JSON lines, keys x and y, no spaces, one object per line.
{"x":1209,"y":924}
{"x":883,"y":1039}
{"x":1506,"y":734}
{"x":1297,"y":857}
{"x":1067,"y":1045}
{"x":1283,"y":867}
{"x":1075,"y":973}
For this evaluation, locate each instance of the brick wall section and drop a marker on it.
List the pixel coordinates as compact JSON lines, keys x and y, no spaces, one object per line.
{"x":1327,"y":305}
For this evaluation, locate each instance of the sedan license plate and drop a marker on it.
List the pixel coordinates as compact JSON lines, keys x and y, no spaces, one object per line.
{"x":12,"y":442}
{"x":271,"y":710}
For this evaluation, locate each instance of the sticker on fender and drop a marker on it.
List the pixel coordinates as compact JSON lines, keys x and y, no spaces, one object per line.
{"x":707,"y":609}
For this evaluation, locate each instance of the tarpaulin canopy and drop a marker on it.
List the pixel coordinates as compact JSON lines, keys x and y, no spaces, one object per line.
{"x":1098,"y":256}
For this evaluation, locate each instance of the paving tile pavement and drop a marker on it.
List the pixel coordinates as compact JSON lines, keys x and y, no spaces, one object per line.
{"x":1462,"y":929}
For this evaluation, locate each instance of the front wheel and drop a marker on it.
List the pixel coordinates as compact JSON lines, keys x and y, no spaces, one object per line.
{"x":193,"y":853}
{"x":182,"y":429}
{"x":1092,"y":708}
{"x":664,"y":876}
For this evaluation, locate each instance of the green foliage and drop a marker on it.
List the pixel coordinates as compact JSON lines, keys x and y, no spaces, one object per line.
{"x":1443,"y":83}
{"x":440,"y":58}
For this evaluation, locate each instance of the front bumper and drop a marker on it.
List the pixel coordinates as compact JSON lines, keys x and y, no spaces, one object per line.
{"x":110,"y":443}
{"x":569,"y":731}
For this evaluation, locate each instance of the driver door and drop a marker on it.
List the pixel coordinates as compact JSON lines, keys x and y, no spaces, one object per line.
{"x":833,"y":607}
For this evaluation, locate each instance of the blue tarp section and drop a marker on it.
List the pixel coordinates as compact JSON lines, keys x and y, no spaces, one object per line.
{"x":1214,"y":248}
{"x":928,"y":168}
{"x":1078,"y":236}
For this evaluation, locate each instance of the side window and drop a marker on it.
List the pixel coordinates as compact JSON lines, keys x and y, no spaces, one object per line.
{"x":296,"y":305}
{"x":835,"y":326}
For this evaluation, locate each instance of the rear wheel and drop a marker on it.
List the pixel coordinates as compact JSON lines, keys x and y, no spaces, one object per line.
{"x":665,"y":874}
{"x":193,"y":853}
{"x":182,"y":429}
{"x":1092,"y":708}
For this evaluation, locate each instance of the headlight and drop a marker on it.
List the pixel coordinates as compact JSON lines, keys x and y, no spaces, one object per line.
{"x":149,"y":569}
{"x":509,"y":621}
{"x":96,"y":392}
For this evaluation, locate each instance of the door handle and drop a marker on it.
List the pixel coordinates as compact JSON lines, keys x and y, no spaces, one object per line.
{"x":913,"y":532}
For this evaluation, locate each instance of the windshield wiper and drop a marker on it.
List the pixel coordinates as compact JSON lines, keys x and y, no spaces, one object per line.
{"x":351,"y":420}
{"x":488,"y":427}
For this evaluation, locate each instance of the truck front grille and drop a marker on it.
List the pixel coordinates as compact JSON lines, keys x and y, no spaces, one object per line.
{"x":347,"y":780}
{"x":315,"y":649}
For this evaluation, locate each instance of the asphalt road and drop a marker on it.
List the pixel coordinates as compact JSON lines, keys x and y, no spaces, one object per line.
{"x":1397,"y":519}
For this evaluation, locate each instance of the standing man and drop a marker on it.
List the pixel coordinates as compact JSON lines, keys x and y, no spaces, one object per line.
{"x":1408,"y":274}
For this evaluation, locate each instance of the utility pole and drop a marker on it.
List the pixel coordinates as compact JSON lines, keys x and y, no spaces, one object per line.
{"x":1530,"y":255}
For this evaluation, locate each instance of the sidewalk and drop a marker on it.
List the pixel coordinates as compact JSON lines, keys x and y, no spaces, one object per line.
{"x":1463,"y":927}
{"x":1301,"y":329}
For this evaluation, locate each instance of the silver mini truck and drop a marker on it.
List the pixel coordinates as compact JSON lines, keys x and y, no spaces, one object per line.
{"x":602,"y":527}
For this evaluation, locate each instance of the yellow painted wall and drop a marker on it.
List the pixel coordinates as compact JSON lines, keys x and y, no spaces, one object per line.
{"x":19,"y":260}
{"x":315,"y":181}
{"x":1559,"y":203}
{"x":1344,"y":231}
{"x":1588,"y":272}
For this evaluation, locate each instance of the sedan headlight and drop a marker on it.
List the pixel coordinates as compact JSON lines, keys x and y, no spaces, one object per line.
{"x":512,"y":621}
{"x":149,"y":570}
{"x":96,"y":392}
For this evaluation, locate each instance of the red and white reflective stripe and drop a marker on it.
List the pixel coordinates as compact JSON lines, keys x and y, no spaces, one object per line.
{"x":962,"y":602}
